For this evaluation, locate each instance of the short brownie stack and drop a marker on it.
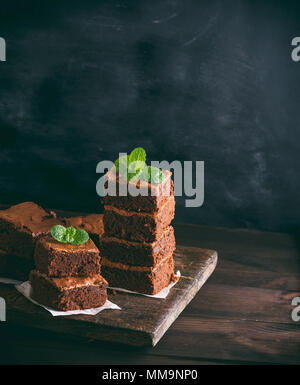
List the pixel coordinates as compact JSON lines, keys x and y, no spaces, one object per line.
{"x":67,"y":277}
{"x":138,"y":242}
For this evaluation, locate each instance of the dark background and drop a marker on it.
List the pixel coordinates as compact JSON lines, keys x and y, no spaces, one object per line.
{"x":188,"y":80}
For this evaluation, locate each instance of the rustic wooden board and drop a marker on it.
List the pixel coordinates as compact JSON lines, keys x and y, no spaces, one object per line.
{"x":232,"y":327}
{"x":141,"y":322}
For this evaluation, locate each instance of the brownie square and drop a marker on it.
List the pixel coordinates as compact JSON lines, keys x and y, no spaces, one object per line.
{"x":68,"y":293}
{"x":138,"y":226}
{"x":21,"y":225}
{"x":146,"y":280}
{"x":138,"y":253}
{"x":15,"y":267}
{"x":154,"y":195}
{"x":92,"y":224}
{"x":58,"y":259}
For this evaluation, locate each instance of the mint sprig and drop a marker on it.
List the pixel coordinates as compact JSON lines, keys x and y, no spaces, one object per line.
{"x":130,"y":165}
{"x":58,"y":232}
{"x":80,"y":237}
{"x":134,"y":165}
{"x":69,"y":235}
{"x":137,"y":155}
{"x":151,"y":174}
{"x":121,"y":164}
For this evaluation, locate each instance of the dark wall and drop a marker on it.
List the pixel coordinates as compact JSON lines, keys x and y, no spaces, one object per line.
{"x":188,"y":80}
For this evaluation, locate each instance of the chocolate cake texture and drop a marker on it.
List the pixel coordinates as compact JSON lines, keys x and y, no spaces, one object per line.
{"x":14,"y":267}
{"x":58,"y":259}
{"x":138,"y":226}
{"x":71,"y":293}
{"x":146,"y":280}
{"x":138,"y":253}
{"x":21,"y":225}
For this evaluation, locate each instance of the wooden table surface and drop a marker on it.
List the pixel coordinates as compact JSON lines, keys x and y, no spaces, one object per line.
{"x":241,"y":315}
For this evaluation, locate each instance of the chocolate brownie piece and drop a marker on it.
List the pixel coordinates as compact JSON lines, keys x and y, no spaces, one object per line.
{"x":15,"y":267}
{"x":58,"y":259}
{"x":21,"y":225}
{"x":68,"y":293}
{"x":138,"y":226}
{"x":146,"y":280}
{"x":92,"y":224}
{"x":151,"y":198}
{"x":138,"y":253}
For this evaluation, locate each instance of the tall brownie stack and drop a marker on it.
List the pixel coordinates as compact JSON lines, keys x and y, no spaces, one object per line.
{"x":138,"y":242}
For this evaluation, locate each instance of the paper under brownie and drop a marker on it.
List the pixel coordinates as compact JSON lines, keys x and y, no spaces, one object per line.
{"x":58,"y":259}
{"x":68,"y":293}
{"x":21,"y":225}
{"x":92,"y":224}
{"x":138,"y":226}
{"x":146,"y":280}
{"x":155,"y":194}
{"x":138,"y":253}
{"x":15,"y":267}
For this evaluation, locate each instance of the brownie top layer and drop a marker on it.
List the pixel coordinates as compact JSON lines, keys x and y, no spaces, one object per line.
{"x":50,"y":243}
{"x":145,"y":187}
{"x":74,"y":282}
{"x":92,"y":223}
{"x":30,"y":217}
{"x":125,"y":213}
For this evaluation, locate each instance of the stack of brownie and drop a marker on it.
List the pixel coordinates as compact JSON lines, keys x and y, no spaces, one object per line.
{"x":67,"y":277}
{"x":138,"y":242}
{"x":63,"y":276}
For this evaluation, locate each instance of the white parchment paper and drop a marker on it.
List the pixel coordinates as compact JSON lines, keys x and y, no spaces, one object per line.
{"x":162,"y":294}
{"x":25,"y":289}
{"x":9,"y":281}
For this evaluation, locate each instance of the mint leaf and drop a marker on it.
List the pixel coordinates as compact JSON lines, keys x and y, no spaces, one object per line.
{"x":151,"y":174}
{"x":58,"y":232}
{"x":121,"y":164}
{"x":80,"y":237}
{"x":69,"y":235}
{"x":138,"y":154}
{"x":137,"y":159}
{"x":130,"y":165}
{"x":136,"y":166}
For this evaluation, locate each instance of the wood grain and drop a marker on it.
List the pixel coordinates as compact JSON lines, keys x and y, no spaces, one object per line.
{"x":141,"y":322}
{"x":241,"y":315}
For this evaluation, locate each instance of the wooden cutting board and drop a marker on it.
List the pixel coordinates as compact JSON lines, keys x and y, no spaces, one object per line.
{"x":141,"y":322}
